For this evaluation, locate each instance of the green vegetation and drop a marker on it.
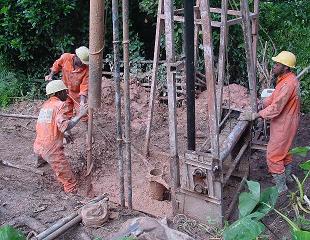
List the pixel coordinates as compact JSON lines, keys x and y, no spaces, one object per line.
{"x":34,"y":33}
{"x":9,"y":233}
{"x":256,"y":204}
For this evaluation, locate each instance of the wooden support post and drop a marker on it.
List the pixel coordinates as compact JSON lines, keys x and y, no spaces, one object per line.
{"x":170,"y":59}
{"x":96,"y":27}
{"x":222,"y":57}
{"x":196,"y":33}
{"x":208,"y":56}
{"x":255,"y":27}
{"x":125,"y":7}
{"x":118,"y":105}
{"x":159,"y":26}
{"x":246,"y":24}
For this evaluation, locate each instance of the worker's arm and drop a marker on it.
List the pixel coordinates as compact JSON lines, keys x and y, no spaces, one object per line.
{"x":57,"y":66}
{"x":63,"y":123}
{"x":84,"y":88}
{"x":279,"y":101}
{"x":76,"y":119}
{"x":267,"y":101}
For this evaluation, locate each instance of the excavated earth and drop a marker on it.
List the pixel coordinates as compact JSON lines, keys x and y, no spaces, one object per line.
{"x":33,"y":202}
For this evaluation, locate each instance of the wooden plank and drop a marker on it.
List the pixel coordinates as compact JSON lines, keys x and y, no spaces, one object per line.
{"x":222,"y":57}
{"x":246,"y":24}
{"x":170,"y":56}
{"x":239,"y":19}
{"x":159,"y":26}
{"x":209,"y":60}
{"x":255,"y":27}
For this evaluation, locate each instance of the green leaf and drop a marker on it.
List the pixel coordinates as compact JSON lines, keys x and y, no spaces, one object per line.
{"x":254,"y":188}
{"x":9,"y":233}
{"x":305,"y":165}
{"x":301,"y":151}
{"x":249,"y":200}
{"x":268,"y":196}
{"x":247,"y":228}
{"x":300,"y":235}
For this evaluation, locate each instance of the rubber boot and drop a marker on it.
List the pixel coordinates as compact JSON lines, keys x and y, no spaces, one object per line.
{"x":288,"y":171}
{"x":280,"y":180}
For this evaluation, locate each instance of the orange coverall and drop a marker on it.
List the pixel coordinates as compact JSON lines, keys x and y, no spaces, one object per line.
{"x":51,"y":125}
{"x":75,"y":79}
{"x":283,"y":109}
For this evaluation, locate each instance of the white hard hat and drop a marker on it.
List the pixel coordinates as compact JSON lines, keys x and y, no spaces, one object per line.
{"x":83,"y":54}
{"x":55,"y":86}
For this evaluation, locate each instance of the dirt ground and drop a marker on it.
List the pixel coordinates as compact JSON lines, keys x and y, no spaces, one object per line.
{"x":40,"y":198}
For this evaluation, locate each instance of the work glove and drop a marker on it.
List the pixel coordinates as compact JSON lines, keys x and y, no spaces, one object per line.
{"x":67,"y":138}
{"x":248,"y":116}
{"x":83,"y":109}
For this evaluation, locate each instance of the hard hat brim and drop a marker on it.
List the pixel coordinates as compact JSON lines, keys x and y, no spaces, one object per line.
{"x":275,"y":59}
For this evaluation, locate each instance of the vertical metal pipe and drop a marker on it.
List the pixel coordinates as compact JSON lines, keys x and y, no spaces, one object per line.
{"x":159,"y":27}
{"x":125,"y":8}
{"x":96,"y":28}
{"x":246,"y":23}
{"x":116,"y":70}
{"x":190,"y":72}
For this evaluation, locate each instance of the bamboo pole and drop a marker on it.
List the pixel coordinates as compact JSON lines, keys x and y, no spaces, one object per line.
{"x":18,"y":116}
{"x":246,"y":24}
{"x":125,"y":8}
{"x":222,"y":54}
{"x":170,"y":59}
{"x":65,"y":223}
{"x":209,"y":60}
{"x":96,"y":32}
{"x":159,"y":27}
{"x":255,"y":26}
{"x":116,"y":70}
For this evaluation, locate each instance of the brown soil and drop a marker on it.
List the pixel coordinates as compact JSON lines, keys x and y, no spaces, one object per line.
{"x":23,"y":193}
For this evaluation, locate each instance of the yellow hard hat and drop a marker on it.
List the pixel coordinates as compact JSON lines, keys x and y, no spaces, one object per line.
{"x":55,"y":86}
{"x":83,"y":54}
{"x":286,"y":58}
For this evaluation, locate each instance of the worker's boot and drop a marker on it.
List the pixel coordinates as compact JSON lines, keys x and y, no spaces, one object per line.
{"x":280,"y":180}
{"x":288,"y":172}
{"x":38,"y":161}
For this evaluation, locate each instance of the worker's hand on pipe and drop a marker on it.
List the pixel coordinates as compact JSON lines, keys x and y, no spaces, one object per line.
{"x":248,"y":116}
{"x":83,"y":109}
{"x":260,"y":105}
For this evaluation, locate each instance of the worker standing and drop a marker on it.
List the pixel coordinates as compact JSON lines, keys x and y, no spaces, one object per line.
{"x":282,"y":108}
{"x":75,"y":72}
{"x":51,"y":125}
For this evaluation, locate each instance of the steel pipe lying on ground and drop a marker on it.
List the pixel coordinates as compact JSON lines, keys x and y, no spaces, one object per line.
{"x":65,"y":223}
{"x":232,"y":139}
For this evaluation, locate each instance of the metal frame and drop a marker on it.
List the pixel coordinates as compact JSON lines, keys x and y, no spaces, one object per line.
{"x":206,"y":200}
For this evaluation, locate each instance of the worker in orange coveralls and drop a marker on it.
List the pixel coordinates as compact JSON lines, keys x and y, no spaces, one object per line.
{"x":282,"y":108}
{"x":75,"y":73}
{"x":51,"y":125}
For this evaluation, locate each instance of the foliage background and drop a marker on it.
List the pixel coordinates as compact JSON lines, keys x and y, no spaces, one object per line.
{"x":34,"y":33}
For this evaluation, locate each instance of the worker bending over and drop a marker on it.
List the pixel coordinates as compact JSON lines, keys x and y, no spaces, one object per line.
{"x":75,"y":73}
{"x":51,"y":125}
{"x":282,"y":108}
